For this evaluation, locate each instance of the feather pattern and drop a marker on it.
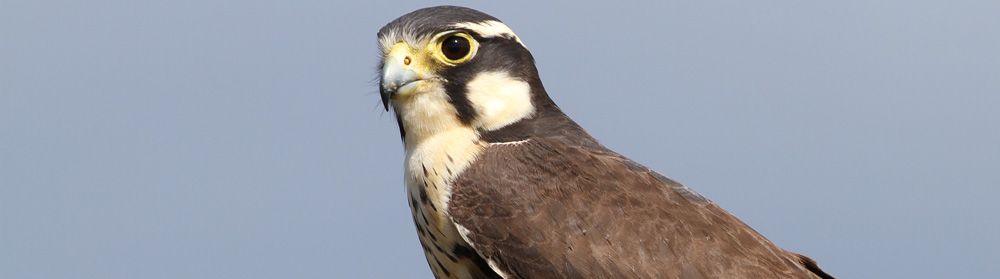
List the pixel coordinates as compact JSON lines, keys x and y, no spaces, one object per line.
{"x":548,"y":209}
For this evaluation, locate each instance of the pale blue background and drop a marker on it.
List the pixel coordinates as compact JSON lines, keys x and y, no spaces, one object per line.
{"x":245,"y":139}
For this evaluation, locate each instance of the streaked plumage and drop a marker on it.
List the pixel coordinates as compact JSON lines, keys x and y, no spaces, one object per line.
{"x":502,"y":184}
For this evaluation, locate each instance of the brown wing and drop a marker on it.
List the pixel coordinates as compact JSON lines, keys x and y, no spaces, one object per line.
{"x":545,"y":209}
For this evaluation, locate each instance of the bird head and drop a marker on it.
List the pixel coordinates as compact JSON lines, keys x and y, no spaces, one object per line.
{"x":451,"y":67}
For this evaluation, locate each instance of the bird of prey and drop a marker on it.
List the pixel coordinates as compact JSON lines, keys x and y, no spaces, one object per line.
{"x":502,"y":184}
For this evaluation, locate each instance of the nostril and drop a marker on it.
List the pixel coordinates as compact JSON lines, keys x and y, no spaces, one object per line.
{"x":406,"y":61}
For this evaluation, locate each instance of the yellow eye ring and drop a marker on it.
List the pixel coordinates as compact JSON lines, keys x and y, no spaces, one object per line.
{"x":454,"y":47}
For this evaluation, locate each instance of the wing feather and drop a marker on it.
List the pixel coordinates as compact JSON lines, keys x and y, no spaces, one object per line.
{"x":547,"y":209}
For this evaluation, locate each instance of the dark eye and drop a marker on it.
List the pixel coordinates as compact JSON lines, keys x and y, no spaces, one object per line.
{"x":455,"y":47}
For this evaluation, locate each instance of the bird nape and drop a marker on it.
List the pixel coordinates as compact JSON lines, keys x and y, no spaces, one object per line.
{"x":502,"y":184}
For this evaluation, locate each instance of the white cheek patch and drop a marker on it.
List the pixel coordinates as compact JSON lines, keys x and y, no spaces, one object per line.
{"x":499,"y":100}
{"x":490,"y":28}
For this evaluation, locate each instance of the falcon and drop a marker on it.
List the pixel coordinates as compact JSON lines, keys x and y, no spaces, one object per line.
{"x":502,"y":184}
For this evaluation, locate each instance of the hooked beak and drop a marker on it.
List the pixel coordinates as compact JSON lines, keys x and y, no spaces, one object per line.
{"x":401,"y":74}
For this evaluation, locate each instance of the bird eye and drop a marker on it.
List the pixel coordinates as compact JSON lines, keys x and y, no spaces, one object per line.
{"x":455,"y":47}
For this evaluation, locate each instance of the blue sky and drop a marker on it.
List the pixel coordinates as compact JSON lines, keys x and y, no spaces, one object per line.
{"x":245,"y":139}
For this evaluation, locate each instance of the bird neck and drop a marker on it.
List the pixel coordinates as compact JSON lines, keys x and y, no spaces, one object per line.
{"x":549,"y":122}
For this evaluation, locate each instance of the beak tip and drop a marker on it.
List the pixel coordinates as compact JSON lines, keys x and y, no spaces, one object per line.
{"x":386,"y":95}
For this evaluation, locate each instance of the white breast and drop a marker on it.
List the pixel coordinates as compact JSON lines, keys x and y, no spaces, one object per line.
{"x":431,"y":166}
